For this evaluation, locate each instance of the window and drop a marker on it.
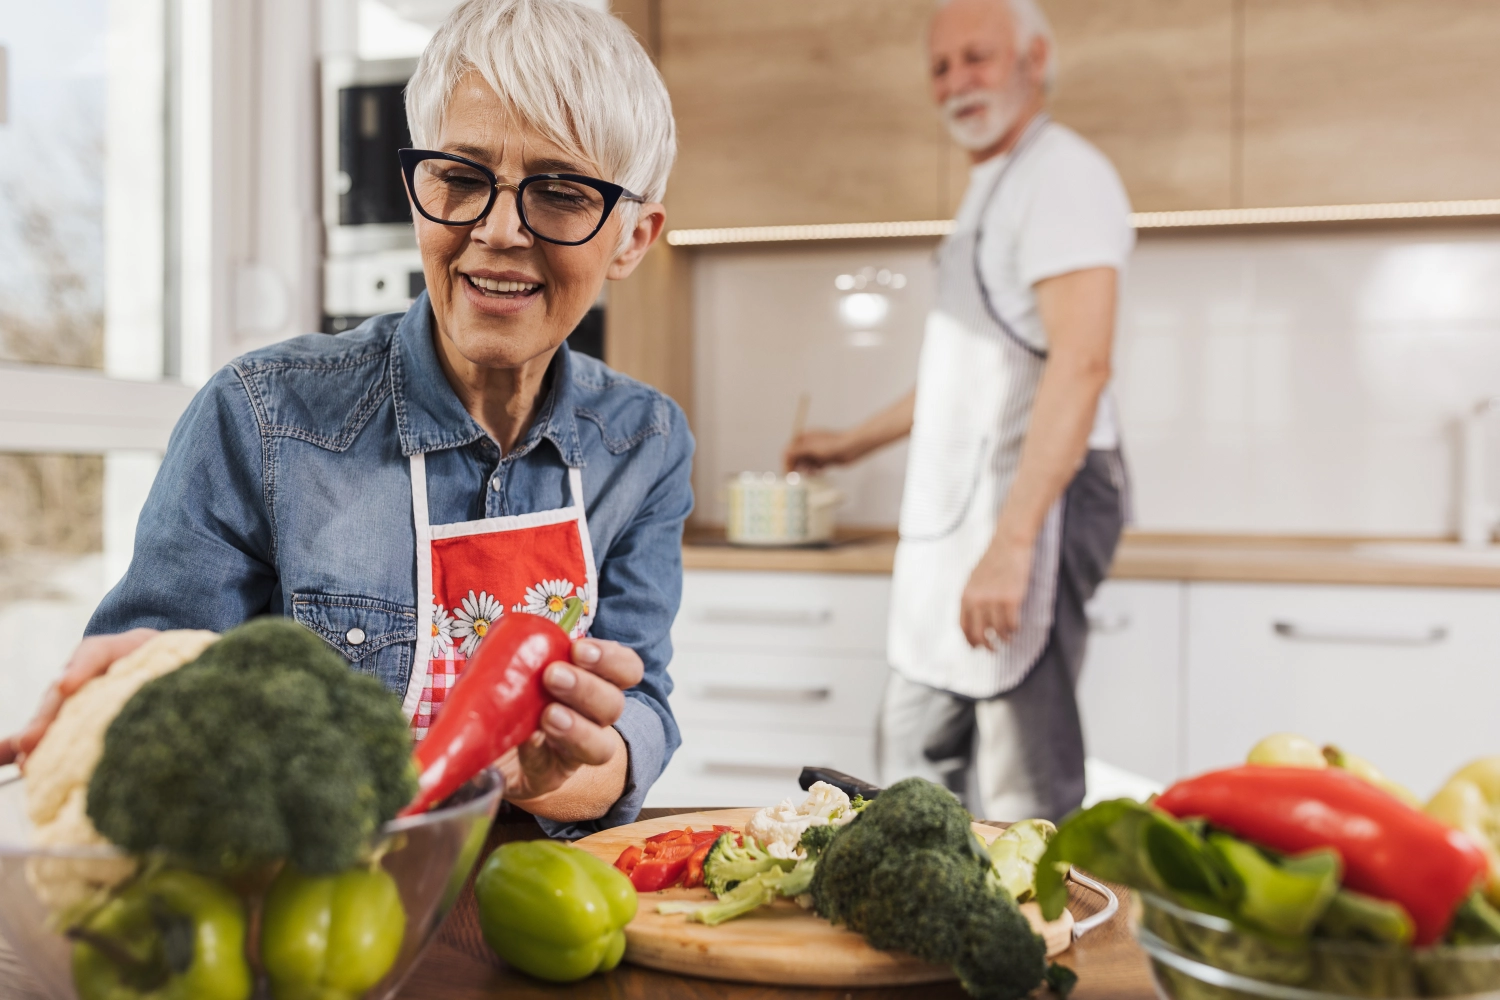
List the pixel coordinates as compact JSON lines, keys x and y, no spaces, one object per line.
{"x":89,"y":360}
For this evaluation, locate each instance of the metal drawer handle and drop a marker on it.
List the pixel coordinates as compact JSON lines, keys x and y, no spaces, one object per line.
{"x":738,"y":769}
{"x":768,"y":616}
{"x":1105,"y":624}
{"x":1394,"y":637}
{"x":731,"y":693}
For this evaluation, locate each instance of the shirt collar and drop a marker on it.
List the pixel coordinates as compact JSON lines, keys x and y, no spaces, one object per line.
{"x":429,"y":415}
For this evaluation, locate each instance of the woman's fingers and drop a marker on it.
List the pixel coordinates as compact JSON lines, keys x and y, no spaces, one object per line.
{"x":92,"y":658}
{"x":609,"y":661}
{"x":586,"y":693}
{"x":576,"y":739}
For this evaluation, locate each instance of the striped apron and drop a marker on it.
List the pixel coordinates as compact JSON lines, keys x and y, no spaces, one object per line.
{"x":976,"y":382}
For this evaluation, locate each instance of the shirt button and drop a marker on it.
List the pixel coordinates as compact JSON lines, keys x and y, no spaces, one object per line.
{"x":355,"y":636}
{"x":495,"y":483}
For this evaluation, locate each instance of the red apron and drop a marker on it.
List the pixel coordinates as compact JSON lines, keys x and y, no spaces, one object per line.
{"x":471,"y":573}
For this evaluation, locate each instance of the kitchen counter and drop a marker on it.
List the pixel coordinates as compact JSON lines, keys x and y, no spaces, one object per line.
{"x":1151,"y":556}
{"x":459,"y":966}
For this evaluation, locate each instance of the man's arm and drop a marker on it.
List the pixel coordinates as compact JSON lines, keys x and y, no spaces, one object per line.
{"x":815,"y":449}
{"x":1078,"y":312}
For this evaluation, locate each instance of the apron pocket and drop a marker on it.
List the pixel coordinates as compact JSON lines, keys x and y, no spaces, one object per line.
{"x":375,"y":636}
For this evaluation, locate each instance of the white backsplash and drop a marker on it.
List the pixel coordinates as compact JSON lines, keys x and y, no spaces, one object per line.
{"x":1280,"y":384}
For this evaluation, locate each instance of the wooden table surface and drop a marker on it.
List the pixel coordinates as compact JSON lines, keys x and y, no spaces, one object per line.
{"x":459,"y":966}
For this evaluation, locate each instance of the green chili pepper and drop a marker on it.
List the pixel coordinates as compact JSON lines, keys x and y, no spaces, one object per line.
{"x":554,"y":911}
{"x":171,"y":935}
{"x":330,"y":937}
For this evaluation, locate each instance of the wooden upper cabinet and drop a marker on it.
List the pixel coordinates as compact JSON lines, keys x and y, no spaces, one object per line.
{"x":1150,"y":82}
{"x":1350,"y":101}
{"x":800,"y":111}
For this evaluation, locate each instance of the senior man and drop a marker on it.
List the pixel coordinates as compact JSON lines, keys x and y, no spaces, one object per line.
{"x":1015,"y":489}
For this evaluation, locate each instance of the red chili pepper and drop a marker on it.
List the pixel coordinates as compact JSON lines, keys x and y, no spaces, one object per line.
{"x":496,"y":704}
{"x":628,"y":859}
{"x":1390,"y":850}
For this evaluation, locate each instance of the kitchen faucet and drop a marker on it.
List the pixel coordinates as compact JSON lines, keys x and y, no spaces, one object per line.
{"x":1476,"y":514}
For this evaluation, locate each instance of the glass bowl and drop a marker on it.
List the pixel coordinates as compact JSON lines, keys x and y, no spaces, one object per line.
{"x":429,"y":857}
{"x":1198,"y":956}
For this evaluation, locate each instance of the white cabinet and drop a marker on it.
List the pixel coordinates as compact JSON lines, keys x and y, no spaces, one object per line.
{"x":1409,"y":677}
{"x":1130,"y":693}
{"x":773,"y":671}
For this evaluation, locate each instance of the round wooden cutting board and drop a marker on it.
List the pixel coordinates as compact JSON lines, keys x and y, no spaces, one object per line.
{"x":781,"y":944}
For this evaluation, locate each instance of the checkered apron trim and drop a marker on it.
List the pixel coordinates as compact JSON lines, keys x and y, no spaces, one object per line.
{"x":515,"y":563}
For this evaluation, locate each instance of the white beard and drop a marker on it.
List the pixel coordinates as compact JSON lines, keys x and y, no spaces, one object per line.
{"x":974,"y":132}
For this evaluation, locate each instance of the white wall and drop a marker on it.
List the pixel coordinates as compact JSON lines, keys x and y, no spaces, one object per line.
{"x":768,"y":329}
{"x":1304,"y":383}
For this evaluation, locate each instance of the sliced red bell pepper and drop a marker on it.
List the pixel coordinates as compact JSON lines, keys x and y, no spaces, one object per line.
{"x":693,"y":877}
{"x":1390,"y":850}
{"x":658,"y":873}
{"x":628,"y":859}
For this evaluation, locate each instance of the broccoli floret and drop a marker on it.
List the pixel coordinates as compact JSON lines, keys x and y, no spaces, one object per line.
{"x":907,"y":876}
{"x":751,"y":894}
{"x":728,"y":863}
{"x":266,"y":747}
{"x":815,"y":839}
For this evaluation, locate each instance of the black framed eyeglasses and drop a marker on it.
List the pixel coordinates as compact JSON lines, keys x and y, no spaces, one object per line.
{"x":566,"y":209}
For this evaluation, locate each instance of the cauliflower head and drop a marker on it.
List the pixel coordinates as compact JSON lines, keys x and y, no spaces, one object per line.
{"x":57,"y":772}
{"x":780,"y":827}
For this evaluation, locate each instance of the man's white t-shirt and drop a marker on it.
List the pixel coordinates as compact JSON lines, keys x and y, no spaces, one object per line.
{"x":1060,"y":208}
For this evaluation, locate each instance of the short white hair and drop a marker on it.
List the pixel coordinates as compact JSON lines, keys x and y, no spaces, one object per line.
{"x":575,"y":74}
{"x":1031,"y":24}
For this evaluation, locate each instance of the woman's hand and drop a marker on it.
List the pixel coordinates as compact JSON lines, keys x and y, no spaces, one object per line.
{"x":574,"y":766}
{"x":991,"y":607}
{"x":93,"y":657}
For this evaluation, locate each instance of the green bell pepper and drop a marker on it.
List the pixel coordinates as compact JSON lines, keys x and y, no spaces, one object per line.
{"x":552,"y":910}
{"x":330,"y":937}
{"x":170,"y":935}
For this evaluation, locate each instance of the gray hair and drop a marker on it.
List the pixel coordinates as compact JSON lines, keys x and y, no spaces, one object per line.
{"x":576,"y":75}
{"x":1032,"y":24}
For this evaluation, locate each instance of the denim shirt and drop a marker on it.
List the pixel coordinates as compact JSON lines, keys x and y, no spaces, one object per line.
{"x":286,"y":490}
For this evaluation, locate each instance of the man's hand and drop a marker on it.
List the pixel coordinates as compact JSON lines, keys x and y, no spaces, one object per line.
{"x":93,"y":657}
{"x":574,"y":766}
{"x":991,"y":607}
{"x":816,"y":450}
{"x":813,"y":451}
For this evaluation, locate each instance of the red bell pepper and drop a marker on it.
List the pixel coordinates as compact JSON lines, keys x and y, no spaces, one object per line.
{"x":669,"y":859}
{"x":1389,"y":850}
{"x":693,"y":877}
{"x":496,"y":704}
{"x":628,"y":859}
{"x":662,"y":871}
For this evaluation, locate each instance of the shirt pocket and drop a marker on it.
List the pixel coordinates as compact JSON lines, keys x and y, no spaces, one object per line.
{"x":376,"y":637}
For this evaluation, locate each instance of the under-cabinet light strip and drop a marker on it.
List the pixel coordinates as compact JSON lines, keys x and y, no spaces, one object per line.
{"x":1141,"y":220}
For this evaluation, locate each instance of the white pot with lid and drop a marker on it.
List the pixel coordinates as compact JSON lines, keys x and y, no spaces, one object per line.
{"x":769,"y":509}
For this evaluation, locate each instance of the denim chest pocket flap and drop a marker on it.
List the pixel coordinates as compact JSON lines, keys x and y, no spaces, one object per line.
{"x":358,"y":627}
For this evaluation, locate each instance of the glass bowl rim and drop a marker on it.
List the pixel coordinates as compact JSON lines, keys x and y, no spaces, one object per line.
{"x":490,"y":784}
{"x":1349,"y":949}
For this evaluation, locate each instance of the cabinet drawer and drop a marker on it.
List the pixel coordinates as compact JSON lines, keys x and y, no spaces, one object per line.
{"x":740,"y":766}
{"x":783,"y":611}
{"x":784,"y":693}
{"x":1407,"y":677}
{"x":1129,"y":695}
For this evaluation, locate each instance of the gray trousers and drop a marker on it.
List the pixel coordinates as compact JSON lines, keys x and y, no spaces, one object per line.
{"x":1020,"y":754}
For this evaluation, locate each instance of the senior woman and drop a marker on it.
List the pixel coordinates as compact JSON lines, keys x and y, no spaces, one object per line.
{"x":399,"y":487}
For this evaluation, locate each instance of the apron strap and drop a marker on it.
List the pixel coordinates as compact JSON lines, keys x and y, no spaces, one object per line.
{"x":1022,"y":144}
{"x":422,"y":528}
